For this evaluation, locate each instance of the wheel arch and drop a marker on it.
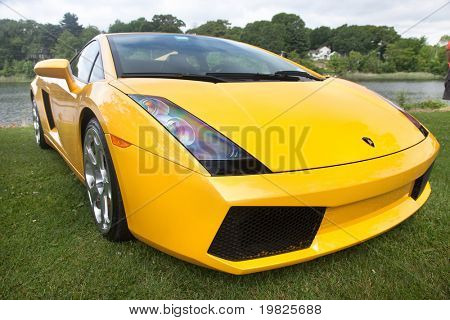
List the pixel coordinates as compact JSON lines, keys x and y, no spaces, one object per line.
{"x":85,"y":116}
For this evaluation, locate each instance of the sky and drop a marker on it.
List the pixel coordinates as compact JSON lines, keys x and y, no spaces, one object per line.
{"x":401,"y":14}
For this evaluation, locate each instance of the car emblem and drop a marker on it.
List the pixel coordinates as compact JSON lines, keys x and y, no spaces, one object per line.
{"x":369,"y":141}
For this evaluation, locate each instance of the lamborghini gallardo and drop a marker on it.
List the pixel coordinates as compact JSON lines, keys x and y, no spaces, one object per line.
{"x":227,"y":155}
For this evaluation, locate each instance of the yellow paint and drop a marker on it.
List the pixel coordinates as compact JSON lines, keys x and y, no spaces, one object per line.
{"x":173,"y":204}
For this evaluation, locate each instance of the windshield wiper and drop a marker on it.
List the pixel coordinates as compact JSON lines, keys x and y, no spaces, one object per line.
{"x":277,"y":76}
{"x":174,"y":75}
{"x":252,"y":76}
{"x":295,"y":73}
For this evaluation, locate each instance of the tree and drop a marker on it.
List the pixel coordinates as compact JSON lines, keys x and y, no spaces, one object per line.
{"x":88,"y":33}
{"x":338,"y":64}
{"x":362,"y":38}
{"x":320,"y":37}
{"x":159,"y":23}
{"x":118,"y":26}
{"x":7,"y":69}
{"x":46,"y":39}
{"x":432,"y":59}
{"x":218,"y":28}
{"x":66,"y":46}
{"x":234,"y":33}
{"x":370,"y":63}
{"x":141,"y":25}
{"x":167,"y":23}
{"x":403,"y":54}
{"x":355,"y":61}
{"x":264,"y":34}
{"x":294,"y":35}
{"x":70,"y":23}
{"x":444,"y":40}
{"x":138,"y":25}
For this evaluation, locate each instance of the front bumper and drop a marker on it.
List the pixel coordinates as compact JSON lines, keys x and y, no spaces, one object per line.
{"x":179,"y":211}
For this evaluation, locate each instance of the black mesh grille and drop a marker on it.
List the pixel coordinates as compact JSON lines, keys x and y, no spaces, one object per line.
{"x":420,"y":184}
{"x":256,"y":232}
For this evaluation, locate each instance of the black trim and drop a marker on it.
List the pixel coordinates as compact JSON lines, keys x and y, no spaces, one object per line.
{"x":48,"y":109}
{"x":257,"y":232}
{"x":113,"y":49}
{"x":92,"y":68}
{"x":424,"y":131}
{"x":420,"y":183}
{"x":234,"y":167}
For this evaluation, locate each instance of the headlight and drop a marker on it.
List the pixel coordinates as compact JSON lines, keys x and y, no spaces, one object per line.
{"x":218,"y":154}
{"x":410,"y":117}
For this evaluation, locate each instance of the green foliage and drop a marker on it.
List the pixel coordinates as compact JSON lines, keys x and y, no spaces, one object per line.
{"x":445,"y":38}
{"x":264,"y":34}
{"x":338,"y":64}
{"x":306,"y":62}
{"x":294,"y":35}
{"x":70,"y":23}
{"x":404,"y":54}
{"x":401,"y":99}
{"x":427,"y":104}
{"x":285,"y":32}
{"x":219,"y":28}
{"x":66,"y":46}
{"x":362,"y":49}
{"x":159,"y":23}
{"x":7,"y":69}
{"x":167,"y":23}
{"x":87,"y":34}
{"x":362,"y":39}
{"x":17,"y":67}
{"x":320,"y":37}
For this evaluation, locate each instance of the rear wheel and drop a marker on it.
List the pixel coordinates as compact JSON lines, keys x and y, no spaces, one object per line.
{"x":102,"y":186}
{"x":38,"y":132}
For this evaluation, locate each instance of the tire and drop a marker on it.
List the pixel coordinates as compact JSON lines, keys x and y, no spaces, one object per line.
{"x":102,"y":187}
{"x":38,"y":131}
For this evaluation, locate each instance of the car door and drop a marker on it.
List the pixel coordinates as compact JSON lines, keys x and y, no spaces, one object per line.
{"x":66,"y":104}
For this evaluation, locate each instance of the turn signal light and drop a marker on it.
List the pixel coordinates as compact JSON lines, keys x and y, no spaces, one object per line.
{"x":119,"y":142}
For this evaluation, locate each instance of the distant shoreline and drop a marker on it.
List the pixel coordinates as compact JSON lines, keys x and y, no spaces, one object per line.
{"x":395,"y":76}
{"x":19,"y":79}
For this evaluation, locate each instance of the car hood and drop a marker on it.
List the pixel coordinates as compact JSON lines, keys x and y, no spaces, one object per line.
{"x":291,"y":125}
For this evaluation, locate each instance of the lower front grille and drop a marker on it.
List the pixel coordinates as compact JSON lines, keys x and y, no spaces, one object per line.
{"x":256,"y":232}
{"x":420,"y":184}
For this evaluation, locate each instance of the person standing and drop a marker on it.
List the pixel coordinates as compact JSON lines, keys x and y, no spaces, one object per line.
{"x":447,"y":80}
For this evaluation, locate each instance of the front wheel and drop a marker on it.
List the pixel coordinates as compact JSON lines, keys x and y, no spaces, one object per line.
{"x":38,"y":132}
{"x":102,"y":186}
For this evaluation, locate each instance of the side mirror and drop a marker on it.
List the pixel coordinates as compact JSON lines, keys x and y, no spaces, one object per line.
{"x":57,"y":68}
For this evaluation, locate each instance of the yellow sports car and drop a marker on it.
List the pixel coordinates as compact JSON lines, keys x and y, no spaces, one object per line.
{"x":227,"y":155}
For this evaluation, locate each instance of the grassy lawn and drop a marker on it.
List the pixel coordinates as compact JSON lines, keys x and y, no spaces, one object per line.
{"x":50,"y":248}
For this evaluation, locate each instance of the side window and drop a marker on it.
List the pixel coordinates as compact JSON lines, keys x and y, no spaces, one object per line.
{"x":97,"y":72}
{"x":82,"y":64}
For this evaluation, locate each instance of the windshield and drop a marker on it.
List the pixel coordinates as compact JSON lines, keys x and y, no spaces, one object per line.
{"x":187,"y":54}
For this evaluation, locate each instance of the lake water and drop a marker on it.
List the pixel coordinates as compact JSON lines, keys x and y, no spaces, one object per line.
{"x":15,"y":106}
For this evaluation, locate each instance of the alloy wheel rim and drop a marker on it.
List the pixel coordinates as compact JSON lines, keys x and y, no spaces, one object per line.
{"x":36,"y":124}
{"x":98,"y":181}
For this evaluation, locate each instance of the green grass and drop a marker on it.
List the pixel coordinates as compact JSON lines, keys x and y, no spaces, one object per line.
{"x":394,"y":76}
{"x":50,"y":248}
{"x":427,"y":104}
